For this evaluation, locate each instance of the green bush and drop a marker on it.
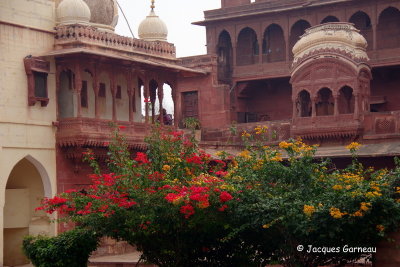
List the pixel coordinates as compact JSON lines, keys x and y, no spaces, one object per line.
{"x":69,"y":249}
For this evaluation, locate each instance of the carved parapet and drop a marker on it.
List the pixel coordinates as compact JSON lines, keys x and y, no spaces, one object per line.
{"x":69,"y":35}
{"x":89,"y":132}
{"x":343,"y":126}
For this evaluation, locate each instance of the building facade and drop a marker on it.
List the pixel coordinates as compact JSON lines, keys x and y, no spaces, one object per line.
{"x":67,"y":79}
{"x":252,"y":77}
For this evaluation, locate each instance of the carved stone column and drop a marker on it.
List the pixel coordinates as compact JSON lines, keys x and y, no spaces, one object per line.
{"x":336,"y":105}
{"x":160,"y":100}
{"x":78,"y":89}
{"x":146,"y":100}
{"x":314,"y":106}
{"x":96,"y":95}
{"x":113,"y":93}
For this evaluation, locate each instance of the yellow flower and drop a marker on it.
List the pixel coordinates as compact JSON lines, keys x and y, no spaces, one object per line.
{"x":336,"y":213}
{"x":308,"y":210}
{"x":266,"y":226}
{"x":364,"y":206}
{"x":277,"y":158}
{"x":260,"y":129}
{"x":245,"y":154}
{"x":357,"y":214}
{"x":348,"y":187}
{"x":285,"y":145}
{"x":245,"y":134}
{"x":337,"y":187}
{"x":353,"y":146}
{"x":166,"y":168}
{"x":380,"y":228}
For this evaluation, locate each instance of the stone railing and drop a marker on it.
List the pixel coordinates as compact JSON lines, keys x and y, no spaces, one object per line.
{"x":198,"y":61}
{"x":89,"y":132}
{"x":71,"y":34}
{"x":382,"y":125}
{"x":327,"y":127}
{"x":277,"y":131}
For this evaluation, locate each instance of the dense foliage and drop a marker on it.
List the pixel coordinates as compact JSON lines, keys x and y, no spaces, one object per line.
{"x":181,"y":207}
{"x":69,"y":249}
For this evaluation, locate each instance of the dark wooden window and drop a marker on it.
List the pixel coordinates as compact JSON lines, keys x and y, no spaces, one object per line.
{"x":84,"y":95}
{"x":190,"y":105}
{"x":37,"y":70}
{"x":118,"y":95}
{"x":102,"y":90}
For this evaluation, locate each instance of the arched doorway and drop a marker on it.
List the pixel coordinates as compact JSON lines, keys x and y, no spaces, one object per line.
{"x":388,"y":28}
{"x":24,"y":191}
{"x":297,"y":30}
{"x":325,"y":102}
{"x":304,"y":104}
{"x":224,"y":50}
{"x":247,"y":47}
{"x":274,"y":47}
{"x":363,"y":23}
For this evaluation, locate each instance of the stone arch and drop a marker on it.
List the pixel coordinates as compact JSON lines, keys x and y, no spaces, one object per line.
{"x":304,"y":106}
{"x":362,"y":22}
{"x":297,"y":30}
{"x":225,"y":54}
{"x":247,"y":49}
{"x":330,"y":18}
{"x":273,"y":46}
{"x":324,"y":103}
{"x":388,"y":30}
{"x":346,"y":100}
{"x":27,"y":183}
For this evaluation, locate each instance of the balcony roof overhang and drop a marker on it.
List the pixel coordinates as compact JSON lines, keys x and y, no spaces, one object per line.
{"x":186,"y":72}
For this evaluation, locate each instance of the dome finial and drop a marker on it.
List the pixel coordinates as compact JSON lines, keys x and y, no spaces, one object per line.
{"x":152,"y":4}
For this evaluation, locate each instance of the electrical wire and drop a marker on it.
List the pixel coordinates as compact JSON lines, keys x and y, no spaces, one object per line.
{"x":133,"y":36}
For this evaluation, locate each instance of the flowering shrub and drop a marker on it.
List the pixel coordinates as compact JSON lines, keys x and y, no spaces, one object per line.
{"x":183,"y":208}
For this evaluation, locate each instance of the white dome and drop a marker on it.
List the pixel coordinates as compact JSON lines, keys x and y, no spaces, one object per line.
{"x":339,"y":36}
{"x":73,"y":12}
{"x":152,"y":28}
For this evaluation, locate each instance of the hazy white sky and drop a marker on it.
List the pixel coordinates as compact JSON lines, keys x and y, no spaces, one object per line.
{"x":178,"y":15}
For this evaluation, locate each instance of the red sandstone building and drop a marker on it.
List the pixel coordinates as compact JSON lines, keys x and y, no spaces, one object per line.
{"x":252,"y":79}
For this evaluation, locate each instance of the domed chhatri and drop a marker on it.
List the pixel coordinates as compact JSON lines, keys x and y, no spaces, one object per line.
{"x":152,"y":28}
{"x":104,"y":13}
{"x":337,"y":36}
{"x":73,"y":12}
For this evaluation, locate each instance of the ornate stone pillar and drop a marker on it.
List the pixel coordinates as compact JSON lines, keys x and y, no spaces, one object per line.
{"x":295,"y":110}
{"x":78,"y":89}
{"x":160,"y":100}
{"x":374,"y":36}
{"x":146,"y":100}
{"x":314,"y":106}
{"x":96,"y":94}
{"x":336,"y":105}
{"x":130,"y":94}
{"x":356,"y":105}
{"x":113,"y":93}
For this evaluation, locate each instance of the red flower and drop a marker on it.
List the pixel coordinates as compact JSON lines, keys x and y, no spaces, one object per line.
{"x":194,"y":159}
{"x":141,"y":158}
{"x":146,"y":100}
{"x":223,"y":208}
{"x":187,"y":210}
{"x":225,"y":196}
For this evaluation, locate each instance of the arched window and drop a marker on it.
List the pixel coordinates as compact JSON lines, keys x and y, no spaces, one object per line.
{"x":346,"y":100}
{"x":297,"y":30}
{"x":325,"y":102}
{"x":363,"y":23}
{"x":247,"y":47}
{"x":304,"y":104}
{"x":274,"y":48}
{"x":330,"y":19}
{"x":224,"y":50}
{"x":389,"y":28}
{"x":65,"y":96}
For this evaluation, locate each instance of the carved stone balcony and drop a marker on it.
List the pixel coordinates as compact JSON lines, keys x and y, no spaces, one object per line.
{"x":89,"y":132}
{"x":327,"y":127}
{"x":72,"y":36}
